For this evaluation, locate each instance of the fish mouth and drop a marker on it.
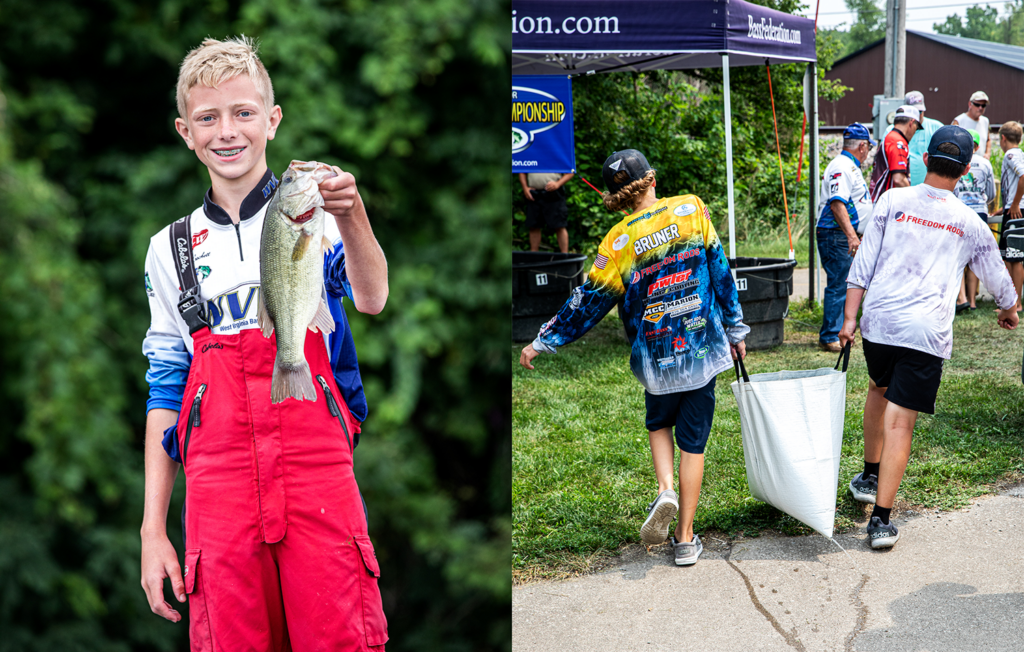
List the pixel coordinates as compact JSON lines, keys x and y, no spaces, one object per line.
{"x":305,"y":217}
{"x":228,"y":152}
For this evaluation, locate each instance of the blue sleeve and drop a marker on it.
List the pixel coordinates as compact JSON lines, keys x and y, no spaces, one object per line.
{"x":169,"y":362}
{"x":344,"y":363}
{"x":725,"y":288}
{"x":587,"y":305}
{"x":335,"y":278}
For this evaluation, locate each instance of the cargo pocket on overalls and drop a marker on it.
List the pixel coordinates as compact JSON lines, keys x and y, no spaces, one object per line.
{"x":374,"y":623}
{"x":198,"y":614}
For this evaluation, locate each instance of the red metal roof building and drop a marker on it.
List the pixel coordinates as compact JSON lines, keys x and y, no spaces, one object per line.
{"x":947,"y":69}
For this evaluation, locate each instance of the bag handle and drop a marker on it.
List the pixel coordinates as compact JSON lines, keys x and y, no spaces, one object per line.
{"x":844,"y":357}
{"x":740,"y":368}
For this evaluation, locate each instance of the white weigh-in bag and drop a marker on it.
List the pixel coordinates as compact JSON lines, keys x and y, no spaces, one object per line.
{"x":792,"y":427}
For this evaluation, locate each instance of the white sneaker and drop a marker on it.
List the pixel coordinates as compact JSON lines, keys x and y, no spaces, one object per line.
{"x":659,"y":517}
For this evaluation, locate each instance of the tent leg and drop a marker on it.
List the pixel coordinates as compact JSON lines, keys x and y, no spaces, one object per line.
{"x":811,"y":84}
{"x":728,"y":160}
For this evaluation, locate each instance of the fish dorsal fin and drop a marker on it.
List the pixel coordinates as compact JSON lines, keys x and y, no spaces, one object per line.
{"x":322,"y":321}
{"x":266,"y":324}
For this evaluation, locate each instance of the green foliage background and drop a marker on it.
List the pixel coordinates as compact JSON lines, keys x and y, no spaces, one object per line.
{"x":677,"y":119}
{"x":398,"y":92}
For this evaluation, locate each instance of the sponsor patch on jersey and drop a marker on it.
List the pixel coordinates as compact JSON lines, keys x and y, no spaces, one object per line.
{"x":547,"y":326}
{"x":658,"y":333}
{"x":620,"y":241}
{"x":678,"y":344}
{"x":202,"y":272}
{"x":833,"y":187}
{"x":656,"y":239}
{"x":149,"y":286}
{"x":655,"y":311}
{"x":682,"y":210}
{"x":636,"y":277}
{"x":702,"y":351}
{"x":695,"y":324}
{"x":600,"y":261}
{"x":647,"y":216}
{"x":672,"y":283}
{"x":900,"y":216}
{"x":577,"y":298}
{"x":910,"y":219}
{"x":198,"y":238}
{"x":667,"y":363}
{"x":836,"y":176}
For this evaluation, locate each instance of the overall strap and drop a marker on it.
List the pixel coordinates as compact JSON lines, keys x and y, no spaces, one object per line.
{"x":189,"y":305}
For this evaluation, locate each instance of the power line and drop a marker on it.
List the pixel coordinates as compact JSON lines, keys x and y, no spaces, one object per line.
{"x":949,"y":6}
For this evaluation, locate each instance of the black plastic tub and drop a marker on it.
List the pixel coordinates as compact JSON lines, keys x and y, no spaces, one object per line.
{"x":541,"y":284}
{"x":764,"y":286}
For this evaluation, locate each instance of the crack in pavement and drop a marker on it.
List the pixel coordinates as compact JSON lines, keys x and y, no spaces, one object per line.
{"x":862,"y":612}
{"x":789,"y":637}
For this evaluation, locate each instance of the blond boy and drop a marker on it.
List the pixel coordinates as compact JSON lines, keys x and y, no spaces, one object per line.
{"x":276,"y":547}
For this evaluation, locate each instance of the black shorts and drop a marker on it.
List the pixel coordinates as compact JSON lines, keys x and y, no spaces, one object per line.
{"x":547,"y":209}
{"x":690,"y":412}
{"x":911,"y":377}
{"x":1009,"y":254}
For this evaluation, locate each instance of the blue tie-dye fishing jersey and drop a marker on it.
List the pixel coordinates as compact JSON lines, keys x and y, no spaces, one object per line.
{"x":665,"y":268}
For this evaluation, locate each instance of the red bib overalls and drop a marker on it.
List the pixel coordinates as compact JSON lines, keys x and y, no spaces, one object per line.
{"x":277,"y":554}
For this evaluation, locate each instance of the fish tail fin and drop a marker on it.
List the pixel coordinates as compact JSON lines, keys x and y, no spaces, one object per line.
{"x":295,"y":381}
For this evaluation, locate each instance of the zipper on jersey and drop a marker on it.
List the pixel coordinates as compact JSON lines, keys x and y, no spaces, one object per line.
{"x":335,"y":411}
{"x":238,"y":233}
{"x":193,"y":419}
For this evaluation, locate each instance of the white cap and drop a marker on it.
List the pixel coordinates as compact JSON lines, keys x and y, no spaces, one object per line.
{"x":979,"y":97}
{"x":909,"y":111}
{"x":915,"y":98}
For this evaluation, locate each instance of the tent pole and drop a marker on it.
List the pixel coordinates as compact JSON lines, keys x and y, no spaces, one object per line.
{"x":811,"y":95}
{"x":728,"y":160}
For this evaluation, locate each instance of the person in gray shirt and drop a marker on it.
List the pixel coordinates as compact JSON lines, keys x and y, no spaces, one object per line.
{"x":975,"y":189}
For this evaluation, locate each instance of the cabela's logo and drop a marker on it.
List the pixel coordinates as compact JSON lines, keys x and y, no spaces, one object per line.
{"x":533,"y":111}
{"x":215,"y":345}
{"x":182,"y":254}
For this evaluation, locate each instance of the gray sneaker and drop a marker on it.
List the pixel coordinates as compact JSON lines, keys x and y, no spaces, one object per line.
{"x":882,"y":535}
{"x":864,"y":489}
{"x":687,"y":553}
{"x":659,"y":517}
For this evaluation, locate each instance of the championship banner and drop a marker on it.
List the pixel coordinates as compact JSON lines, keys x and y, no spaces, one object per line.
{"x":542,"y":132}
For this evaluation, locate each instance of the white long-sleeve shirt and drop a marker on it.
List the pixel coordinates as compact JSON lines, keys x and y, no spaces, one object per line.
{"x":911,"y":260}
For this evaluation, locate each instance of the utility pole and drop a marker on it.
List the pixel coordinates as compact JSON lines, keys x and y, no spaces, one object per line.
{"x":895,"y":48}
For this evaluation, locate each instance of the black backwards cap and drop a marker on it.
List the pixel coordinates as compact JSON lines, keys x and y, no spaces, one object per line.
{"x":624,"y":167}
{"x":957,"y":136}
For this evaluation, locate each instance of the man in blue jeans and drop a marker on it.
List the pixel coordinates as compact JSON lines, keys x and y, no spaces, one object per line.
{"x":845,"y":201}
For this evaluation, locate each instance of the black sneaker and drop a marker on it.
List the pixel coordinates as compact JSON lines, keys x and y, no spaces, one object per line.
{"x":864,"y":489}
{"x":659,"y":517}
{"x":883,"y":535}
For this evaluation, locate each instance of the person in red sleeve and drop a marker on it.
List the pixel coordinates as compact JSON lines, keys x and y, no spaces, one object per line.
{"x":892,"y":162}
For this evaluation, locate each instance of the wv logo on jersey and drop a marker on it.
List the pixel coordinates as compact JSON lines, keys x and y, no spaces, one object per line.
{"x":239,"y":305}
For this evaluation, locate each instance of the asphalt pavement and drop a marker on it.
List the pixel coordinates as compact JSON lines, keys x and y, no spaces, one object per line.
{"x":954,"y":581}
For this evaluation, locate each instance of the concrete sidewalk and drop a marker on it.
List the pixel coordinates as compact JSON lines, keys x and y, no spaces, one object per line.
{"x":955,"y":581}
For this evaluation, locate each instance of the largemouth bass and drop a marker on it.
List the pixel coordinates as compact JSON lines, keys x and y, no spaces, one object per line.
{"x":292,"y":276}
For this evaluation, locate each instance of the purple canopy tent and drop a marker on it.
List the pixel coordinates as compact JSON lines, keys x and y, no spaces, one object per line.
{"x":551,"y":37}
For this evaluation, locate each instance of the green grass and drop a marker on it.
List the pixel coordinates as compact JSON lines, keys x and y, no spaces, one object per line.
{"x":773,"y":245}
{"x":582,"y":475}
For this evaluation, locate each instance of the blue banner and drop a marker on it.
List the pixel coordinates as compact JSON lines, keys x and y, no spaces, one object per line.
{"x":542,"y":134}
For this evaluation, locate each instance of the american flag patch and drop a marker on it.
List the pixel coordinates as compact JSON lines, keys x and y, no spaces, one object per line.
{"x":600,"y":261}
{"x":707,"y":214}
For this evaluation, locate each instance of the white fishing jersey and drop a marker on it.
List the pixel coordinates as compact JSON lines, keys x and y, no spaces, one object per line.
{"x":911,"y":260}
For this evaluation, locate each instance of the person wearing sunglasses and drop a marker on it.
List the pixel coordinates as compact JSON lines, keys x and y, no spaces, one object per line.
{"x":974,"y":118}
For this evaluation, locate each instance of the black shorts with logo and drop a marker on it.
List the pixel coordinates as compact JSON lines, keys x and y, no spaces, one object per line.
{"x":547,"y":209}
{"x":911,"y":377}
